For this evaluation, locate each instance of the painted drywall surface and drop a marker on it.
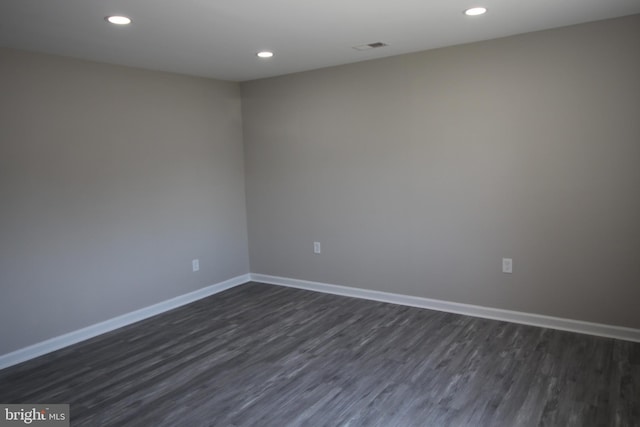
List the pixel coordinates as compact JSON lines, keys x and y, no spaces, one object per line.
{"x":418,"y":173}
{"x":111,"y":181}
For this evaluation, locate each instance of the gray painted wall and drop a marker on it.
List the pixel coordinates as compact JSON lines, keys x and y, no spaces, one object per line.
{"x":111,"y":181}
{"x":418,"y":173}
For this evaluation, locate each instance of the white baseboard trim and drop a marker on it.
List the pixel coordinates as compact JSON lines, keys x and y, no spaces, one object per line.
{"x":56,"y":343}
{"x":579,"y":326}
{"x":74,"y":337}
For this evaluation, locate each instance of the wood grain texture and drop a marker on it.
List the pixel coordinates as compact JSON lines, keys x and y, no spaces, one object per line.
{"x":264,"y":355}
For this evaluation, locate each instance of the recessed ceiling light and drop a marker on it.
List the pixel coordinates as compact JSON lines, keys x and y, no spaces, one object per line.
{"x":118,"y":20}
{"x":265,"y":54}
{"x":475,"y":11}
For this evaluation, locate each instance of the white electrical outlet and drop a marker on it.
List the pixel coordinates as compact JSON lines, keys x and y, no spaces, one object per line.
{"x":195,"y":264}
{"x":507,"y":265}
{"x":316,"y":247}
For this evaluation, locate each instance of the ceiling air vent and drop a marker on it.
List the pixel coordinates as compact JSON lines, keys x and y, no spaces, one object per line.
{"x":370,"y":46}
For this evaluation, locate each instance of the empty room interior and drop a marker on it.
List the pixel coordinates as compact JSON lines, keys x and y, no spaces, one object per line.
{"x":280,"y":213}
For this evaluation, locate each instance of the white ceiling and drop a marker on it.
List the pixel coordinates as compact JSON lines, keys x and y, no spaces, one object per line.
{"x":219,"y":38}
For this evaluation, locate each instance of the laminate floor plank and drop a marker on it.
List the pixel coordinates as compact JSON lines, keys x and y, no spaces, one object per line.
{"x":264,"y":355}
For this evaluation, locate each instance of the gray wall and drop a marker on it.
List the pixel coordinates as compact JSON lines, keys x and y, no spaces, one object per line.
{"x":111,"y":181}
{"x":418,"y":173}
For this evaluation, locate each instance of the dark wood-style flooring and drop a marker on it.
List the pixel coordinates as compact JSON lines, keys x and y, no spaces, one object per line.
{"x":262,"y":355}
